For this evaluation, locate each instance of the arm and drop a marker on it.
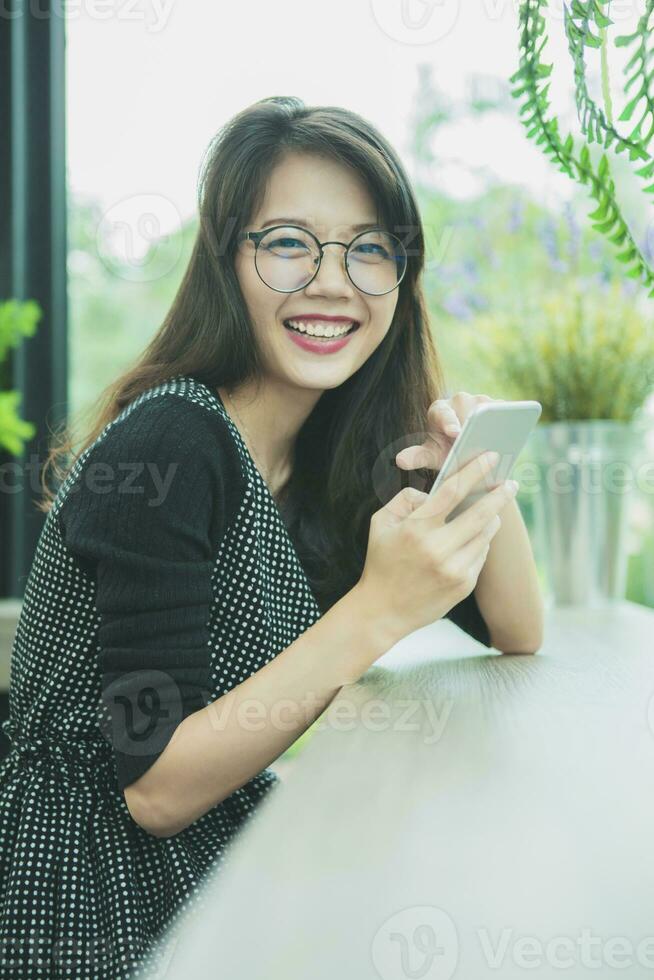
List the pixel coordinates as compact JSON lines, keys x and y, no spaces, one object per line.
{"x":508,"y":591}
{"x":151,"y":555}
{"x":143,"y":521}
{"x":219,"y":748}
{"x":467,"y":616}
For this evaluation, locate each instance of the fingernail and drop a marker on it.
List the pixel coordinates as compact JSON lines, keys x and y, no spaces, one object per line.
{"x":512,"y":486}
{"x":492,"y":458}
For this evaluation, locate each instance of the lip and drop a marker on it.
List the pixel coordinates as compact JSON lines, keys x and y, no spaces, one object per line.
{"x":323,"y":316}
{"x":319,"y":346}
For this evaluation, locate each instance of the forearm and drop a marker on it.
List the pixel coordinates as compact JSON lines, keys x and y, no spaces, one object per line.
{"x":217,"y":749}
{"x":508,"y":591}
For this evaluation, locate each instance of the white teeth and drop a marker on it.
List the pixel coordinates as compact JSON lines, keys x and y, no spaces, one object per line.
{"x":315,"y":329}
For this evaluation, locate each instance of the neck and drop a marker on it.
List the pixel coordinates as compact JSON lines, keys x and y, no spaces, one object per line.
{"x":272,"y":418}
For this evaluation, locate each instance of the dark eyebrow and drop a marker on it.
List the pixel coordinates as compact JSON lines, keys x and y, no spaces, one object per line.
{"x":306,"y":224}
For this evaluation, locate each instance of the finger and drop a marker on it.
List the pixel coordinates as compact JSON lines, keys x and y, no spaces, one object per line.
{"x":443,"y":417}
{"x":473,"y":554}
{"x":402,"y":504}
{"x":471,"y":522}
{"x":456,"y":488}
{"x":414,"y":457}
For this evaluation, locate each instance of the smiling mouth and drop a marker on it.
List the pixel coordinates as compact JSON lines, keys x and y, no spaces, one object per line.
{"x":314,"y":336}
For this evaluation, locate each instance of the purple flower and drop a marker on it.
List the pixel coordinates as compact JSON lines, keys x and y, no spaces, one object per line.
{"x":549,"y":238}
{"x":470,"y":270}
{"x":630,"y":286}
{"x":516,"y":215}
{"x":646,"y":246}
{"x":456,"y":305}
{"x":596,"y":249}
{"x":574,"y":230}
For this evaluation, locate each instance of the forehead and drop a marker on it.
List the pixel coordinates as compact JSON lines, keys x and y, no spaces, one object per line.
{"x":323,"y":193}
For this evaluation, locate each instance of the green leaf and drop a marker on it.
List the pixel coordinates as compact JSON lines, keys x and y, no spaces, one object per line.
{"x":636,"y":77}
{"x":627,"y":112}
{"x":636,"y":153}
{"x":623,"y":39}
{"x":592,"y":40}
{"x":635,"y":133}
{"x":605,"y":226}
{"x":600,"y":17}
{"x":636,"y":56}
{"x":603,"y":168}
{"x":600,"y":212}
{"x":647,"y":170}
{"x":627,"y":255}
{"x":568,"y":146}
{"x":540,"y":47}
{"x":619,"y":236}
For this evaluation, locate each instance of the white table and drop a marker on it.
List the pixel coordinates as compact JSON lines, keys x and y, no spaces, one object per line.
{"x":475,"y":805}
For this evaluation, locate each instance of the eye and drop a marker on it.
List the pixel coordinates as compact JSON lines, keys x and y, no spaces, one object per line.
{"x":285,"y":244}
{"x":370,"y":250}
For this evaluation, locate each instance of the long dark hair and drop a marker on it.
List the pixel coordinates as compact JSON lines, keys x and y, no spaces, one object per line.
{"x":343,"y":456}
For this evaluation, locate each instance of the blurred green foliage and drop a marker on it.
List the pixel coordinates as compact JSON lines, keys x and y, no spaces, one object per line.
{"x":585,"y":355}
{"x":18,"y":319}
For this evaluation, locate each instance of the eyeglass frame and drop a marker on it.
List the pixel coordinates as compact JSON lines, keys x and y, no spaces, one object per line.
{"x":256,"y":236}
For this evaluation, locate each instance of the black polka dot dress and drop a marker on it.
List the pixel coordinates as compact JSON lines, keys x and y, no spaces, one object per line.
{"x":163,"y":577}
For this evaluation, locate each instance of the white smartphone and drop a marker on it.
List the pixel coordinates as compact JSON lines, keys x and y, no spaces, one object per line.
{"x":502,"y":426}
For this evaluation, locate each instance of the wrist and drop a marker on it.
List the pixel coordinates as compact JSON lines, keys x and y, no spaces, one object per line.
{"x":381,"y":630}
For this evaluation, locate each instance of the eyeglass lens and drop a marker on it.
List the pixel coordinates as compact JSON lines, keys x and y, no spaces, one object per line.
{"x":288,"y":257}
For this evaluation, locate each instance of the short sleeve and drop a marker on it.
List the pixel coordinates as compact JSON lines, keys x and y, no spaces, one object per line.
{"x":468,"y":617}
{"x":144,"y":519}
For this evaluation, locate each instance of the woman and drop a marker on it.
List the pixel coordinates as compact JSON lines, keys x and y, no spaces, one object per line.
{"x":210,"y":549}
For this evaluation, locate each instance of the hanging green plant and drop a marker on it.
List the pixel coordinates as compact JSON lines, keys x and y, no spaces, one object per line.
{"x":586,"y":26}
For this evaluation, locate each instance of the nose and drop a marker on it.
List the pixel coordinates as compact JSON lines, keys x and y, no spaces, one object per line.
{"x":332,"y":275}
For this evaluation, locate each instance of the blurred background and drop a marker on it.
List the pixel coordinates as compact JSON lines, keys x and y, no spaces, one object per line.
{"x":109,"y":110}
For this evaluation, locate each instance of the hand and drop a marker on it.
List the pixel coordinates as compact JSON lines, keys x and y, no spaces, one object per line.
{"x":419,"y":565}
{"x":445,"y":417}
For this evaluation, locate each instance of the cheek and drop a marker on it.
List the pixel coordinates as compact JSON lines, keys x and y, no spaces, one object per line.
{"x":247,"y":278}
{"x":262,"y":303}
{"x":381,"y":318}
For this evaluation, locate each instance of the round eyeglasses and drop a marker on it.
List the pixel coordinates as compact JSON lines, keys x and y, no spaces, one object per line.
{"x":288,"y":257}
